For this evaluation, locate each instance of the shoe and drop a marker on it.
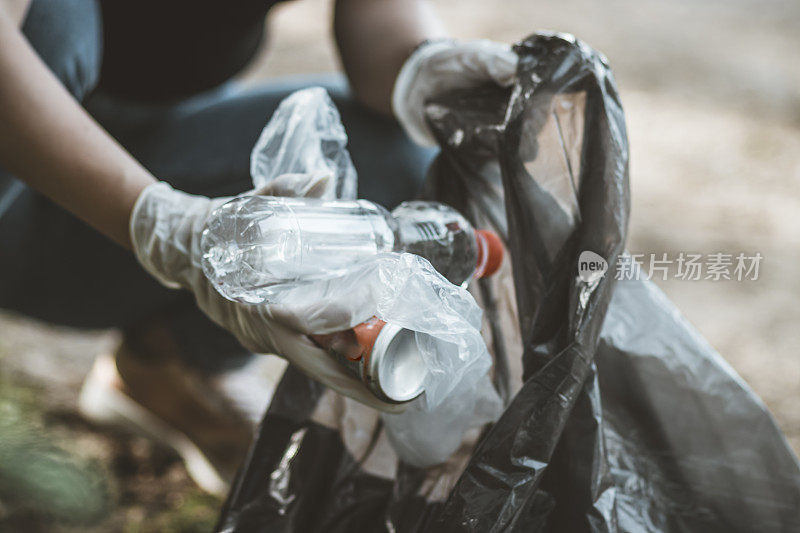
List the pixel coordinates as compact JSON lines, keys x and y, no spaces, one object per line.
{"x":207,"y":420}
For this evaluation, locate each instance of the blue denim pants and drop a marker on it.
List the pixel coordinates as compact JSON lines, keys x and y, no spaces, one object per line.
{"x":55,"y":268}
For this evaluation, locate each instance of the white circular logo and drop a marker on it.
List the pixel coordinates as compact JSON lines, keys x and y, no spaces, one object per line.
{"x":591,"y":266}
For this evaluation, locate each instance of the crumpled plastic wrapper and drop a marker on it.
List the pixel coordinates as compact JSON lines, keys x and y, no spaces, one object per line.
{"x":618,"y":415}
{"x":305,"y":135}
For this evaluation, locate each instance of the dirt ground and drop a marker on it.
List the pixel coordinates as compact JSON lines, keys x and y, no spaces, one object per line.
{"x":711,"y":95}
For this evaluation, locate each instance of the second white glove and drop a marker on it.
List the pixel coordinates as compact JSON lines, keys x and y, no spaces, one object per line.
{"x":440,"y":66}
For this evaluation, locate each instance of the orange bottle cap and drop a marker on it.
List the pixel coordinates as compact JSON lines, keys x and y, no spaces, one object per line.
{"x":490,"y":253}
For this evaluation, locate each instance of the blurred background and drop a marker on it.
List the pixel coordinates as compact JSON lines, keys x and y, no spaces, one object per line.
{"x":711,"y":90}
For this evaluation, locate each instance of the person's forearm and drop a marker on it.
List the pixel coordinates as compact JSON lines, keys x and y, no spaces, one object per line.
{"x":51,"y":143}
{"x":375,"y":37}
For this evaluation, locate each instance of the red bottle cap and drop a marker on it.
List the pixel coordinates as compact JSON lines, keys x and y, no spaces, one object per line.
{"x":490,"y":253}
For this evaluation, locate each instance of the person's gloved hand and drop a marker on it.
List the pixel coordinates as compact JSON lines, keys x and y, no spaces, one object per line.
{"x":440,"y":66}
{"x":166,"y":227}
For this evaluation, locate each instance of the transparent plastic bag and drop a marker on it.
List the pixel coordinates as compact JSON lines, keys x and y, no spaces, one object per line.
{"x":305,"y":137}
{"x":404,"y":289}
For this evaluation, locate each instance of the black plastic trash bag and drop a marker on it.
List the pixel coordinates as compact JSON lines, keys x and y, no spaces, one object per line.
{"x":620,"y":417}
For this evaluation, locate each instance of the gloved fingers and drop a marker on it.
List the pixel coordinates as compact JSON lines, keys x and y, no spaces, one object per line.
{"x":312,"y":185}
{"x":327,"y":306}
{"x":319,"y":318}
{"x":165,"y":226}
{"x":257,"y":331}
{"x":484,"y":60}
{"x":443,"y":66}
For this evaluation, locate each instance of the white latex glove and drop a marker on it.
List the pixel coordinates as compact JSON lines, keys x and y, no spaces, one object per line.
{"x":166,"y":226}
{"x":441,"y":66}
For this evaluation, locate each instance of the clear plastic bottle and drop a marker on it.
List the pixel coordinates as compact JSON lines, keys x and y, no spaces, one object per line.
{"x":254,"y":245}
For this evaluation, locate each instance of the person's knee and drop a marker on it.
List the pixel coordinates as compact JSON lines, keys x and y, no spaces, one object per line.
{"x":67,"y":35}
